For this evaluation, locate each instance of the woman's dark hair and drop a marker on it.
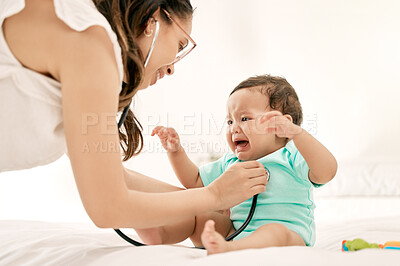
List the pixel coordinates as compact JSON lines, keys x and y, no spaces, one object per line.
{"x":128,"y":19}
{"x":281,"y":95}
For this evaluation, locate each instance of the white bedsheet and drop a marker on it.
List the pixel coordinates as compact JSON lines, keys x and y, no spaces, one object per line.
{"x":44,"y":243}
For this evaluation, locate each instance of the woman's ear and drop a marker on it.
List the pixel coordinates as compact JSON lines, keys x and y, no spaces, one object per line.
{"x":289,"y":117}
{"x":148,"y":31}
{"x":151,"y":25}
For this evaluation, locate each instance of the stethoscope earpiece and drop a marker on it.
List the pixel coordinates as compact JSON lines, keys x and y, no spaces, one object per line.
{"x":152,"y":43}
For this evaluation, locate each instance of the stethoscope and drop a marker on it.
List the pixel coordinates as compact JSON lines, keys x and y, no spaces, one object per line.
{"x":121,"y":121}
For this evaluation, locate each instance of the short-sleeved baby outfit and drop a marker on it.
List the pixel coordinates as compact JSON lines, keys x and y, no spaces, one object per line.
{"x":287,"y":200}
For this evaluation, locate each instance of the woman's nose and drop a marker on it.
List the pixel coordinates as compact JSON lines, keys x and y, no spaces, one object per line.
{"x":170,"y":69}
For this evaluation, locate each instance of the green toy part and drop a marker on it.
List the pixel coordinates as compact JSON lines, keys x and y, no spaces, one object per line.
{"x":358,"y":244}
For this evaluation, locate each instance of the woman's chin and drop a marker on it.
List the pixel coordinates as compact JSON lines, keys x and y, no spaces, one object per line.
{"x":152,"y":83}
{"x":144,"y":85}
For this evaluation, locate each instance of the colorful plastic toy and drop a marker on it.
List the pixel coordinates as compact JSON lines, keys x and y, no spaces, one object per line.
{"x":359,"y":243}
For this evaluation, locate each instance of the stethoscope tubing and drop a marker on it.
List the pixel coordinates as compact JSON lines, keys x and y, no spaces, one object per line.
{"x":229,"y":238}
{"x":236,"y":233}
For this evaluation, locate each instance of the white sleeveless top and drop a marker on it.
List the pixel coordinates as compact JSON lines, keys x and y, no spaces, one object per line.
{"x":31,"y":124}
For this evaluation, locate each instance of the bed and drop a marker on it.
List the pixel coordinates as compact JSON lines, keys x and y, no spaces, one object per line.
{"x":46,"y":243}
{"x":363,"y":201}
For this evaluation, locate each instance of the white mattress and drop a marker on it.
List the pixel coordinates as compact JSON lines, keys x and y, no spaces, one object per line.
{"x":45,"y":243}
{"x":345,"y":210}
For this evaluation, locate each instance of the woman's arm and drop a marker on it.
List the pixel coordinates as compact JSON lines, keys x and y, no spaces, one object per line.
{"x":90,"y":87}
{"x":140,"y":182}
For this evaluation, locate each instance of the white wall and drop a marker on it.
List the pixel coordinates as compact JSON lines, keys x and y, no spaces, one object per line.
{"x":342,"y":57}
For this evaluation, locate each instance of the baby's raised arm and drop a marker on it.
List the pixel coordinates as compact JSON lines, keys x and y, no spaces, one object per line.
{"x":186,"y":171}
{"x":319,"y":159}
{"x":322,"y":163}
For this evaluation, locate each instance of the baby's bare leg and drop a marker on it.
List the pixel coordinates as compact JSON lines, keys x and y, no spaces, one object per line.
{"x":175,"y":233}
{"x":167,"y":234}
{"x":223,"y":225}
{"x":268,"y":235}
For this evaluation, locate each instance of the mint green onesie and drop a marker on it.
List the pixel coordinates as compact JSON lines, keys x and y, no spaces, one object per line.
{"x":288,"y":199}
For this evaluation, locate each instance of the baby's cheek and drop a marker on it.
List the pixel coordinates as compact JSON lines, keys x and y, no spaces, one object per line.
{"x":228,"y":136}
{"x":230,"y":143}
{"x":259,"y":141}
{"x":255,"y":129}
{"x":231,"y":146}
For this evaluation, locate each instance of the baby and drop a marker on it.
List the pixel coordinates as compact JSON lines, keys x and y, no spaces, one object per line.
{"x":263,"y":123}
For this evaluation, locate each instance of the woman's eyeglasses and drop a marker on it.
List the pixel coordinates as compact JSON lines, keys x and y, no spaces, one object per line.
{"x":186,"y":48}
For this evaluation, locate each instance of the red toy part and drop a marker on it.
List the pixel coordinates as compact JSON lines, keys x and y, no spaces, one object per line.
{"x":344,"y":248}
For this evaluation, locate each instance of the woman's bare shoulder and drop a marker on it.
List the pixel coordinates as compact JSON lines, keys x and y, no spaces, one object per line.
{"x":42,"y":42}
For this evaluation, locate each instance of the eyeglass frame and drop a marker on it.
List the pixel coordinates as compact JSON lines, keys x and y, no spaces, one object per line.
{"x":178,"y":58}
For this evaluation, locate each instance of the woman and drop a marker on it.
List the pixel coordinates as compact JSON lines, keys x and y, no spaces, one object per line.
{"x":62,"y":64}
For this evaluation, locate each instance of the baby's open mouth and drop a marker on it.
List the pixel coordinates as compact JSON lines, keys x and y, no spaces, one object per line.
{"x":241,"y":145}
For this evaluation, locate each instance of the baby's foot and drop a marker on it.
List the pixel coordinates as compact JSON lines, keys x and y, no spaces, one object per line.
{"x":150,"y":236}
{"x":212,"y":240}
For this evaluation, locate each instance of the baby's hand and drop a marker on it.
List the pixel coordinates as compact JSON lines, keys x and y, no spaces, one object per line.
{"x":168,"y":137}
{"x":279,"y":124}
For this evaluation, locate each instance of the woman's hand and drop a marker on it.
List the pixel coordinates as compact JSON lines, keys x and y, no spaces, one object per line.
{"x":279,"y":124}
{"x":239,"y":183}
{"x":168,"y":137}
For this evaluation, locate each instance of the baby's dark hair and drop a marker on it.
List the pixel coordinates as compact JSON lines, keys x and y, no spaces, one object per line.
{"x":282,"y":96}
